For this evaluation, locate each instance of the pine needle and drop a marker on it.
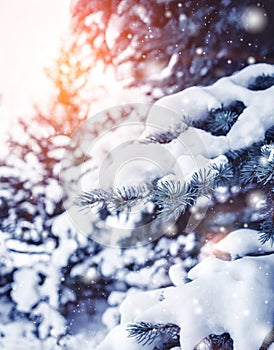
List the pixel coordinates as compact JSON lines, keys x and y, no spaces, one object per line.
{"x":146,"y":333}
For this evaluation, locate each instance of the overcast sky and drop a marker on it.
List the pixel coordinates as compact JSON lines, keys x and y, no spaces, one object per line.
{"x":30,"y":32}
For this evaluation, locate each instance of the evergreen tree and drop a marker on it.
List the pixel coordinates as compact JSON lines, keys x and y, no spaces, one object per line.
{"x":154,"y":48}
{"x":161,"y":46}
{"x":249,"y":169}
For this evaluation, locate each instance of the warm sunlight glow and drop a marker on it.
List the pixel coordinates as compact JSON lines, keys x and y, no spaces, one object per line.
{"x":30,"y":34}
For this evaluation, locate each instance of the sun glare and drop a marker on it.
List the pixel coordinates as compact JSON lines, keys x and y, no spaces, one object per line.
{"x":30,"y":34}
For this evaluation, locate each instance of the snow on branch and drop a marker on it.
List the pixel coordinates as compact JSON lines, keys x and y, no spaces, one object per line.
{"x":225,"y":303}
{"x":226,"y":139}
{"x":146,"y":333}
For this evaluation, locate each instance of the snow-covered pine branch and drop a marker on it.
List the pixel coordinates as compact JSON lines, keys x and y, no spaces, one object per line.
{"x":219,"y":304}
{"x":226,"y":302}
{"x":220,"y":135}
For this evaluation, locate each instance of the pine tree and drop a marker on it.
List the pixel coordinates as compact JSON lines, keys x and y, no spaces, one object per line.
{"x":167,"y":36}
{"x":162,"y":46}
{"x":251,"y":169}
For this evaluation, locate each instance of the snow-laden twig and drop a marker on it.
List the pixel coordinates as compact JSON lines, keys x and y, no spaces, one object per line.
{"x":223,"y":296}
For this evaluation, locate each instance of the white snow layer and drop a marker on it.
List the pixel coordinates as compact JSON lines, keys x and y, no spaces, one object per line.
{"x":243,"y":242}
{"x":24,"y":291}
{"x":194,"y":148}
{"x":196,"y":102}
{"x":223,"y":296}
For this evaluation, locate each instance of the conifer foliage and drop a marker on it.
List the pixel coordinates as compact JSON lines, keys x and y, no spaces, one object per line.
{"x":253,"y":166}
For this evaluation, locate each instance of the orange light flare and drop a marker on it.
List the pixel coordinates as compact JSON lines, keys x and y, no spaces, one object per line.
{"x":212,"y":238}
